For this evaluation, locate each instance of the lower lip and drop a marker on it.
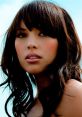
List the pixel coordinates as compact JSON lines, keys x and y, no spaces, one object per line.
{"x":33,"y":61}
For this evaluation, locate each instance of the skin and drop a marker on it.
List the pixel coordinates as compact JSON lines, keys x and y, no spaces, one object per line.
{"x":71,"y":103}
{"x":35,"y":42}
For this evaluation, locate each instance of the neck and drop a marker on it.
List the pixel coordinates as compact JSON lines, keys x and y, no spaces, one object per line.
{"x":43,"y":81}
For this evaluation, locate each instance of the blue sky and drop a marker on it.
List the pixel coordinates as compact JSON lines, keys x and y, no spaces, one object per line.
{"x":8,"y":9}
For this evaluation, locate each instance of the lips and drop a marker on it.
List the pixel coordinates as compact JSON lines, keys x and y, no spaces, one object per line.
{"x":32,"y":58}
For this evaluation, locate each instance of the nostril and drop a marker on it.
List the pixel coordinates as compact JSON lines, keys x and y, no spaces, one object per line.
{"x":31,"y":47}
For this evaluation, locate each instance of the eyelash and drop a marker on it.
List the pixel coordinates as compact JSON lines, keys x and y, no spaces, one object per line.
{"x":42,"y":34}
{"x":21,"y":35}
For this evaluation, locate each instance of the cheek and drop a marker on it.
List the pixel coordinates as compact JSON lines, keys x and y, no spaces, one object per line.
{"x":52,"y":46}
{"x":18,"y":46}
{"x":51,"y":52}
{"x":20,"y":52}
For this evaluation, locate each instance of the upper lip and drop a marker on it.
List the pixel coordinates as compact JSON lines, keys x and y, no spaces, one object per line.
{"x":32,"y":56}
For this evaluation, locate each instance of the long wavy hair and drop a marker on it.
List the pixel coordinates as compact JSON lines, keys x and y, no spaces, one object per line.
{"x":53,"y":21}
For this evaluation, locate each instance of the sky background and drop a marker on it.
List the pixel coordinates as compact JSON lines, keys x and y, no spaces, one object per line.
{"x":8,"y":9}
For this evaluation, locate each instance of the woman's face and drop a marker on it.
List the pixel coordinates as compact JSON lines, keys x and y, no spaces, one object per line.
{"x":35,"y":50}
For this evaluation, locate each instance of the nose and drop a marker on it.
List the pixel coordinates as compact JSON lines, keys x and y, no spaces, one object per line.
{"x":31,"y":44}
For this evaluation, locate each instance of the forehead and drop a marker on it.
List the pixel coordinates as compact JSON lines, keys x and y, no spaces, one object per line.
{"x":23,"y":27}
{"x":22,"y":24}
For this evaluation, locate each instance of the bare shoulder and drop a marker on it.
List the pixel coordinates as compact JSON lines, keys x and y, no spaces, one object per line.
{"x":71,"y":103}
{"x":73,"y":87}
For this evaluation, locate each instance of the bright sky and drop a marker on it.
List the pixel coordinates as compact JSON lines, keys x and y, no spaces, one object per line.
{"x":8,"y":9}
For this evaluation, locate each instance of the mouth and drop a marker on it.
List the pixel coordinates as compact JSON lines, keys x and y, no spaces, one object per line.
{"x":32,"y":58}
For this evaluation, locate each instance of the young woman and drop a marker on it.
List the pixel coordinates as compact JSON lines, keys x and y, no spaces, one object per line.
{"x":42,"y":49}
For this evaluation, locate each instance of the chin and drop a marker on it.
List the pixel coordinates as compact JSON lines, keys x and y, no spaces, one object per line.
{"x":33,"y":72}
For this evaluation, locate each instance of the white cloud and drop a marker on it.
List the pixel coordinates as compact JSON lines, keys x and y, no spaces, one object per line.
{"x":7,"y":12}
{"x":78,"y":24}
{"x":8,"y":9}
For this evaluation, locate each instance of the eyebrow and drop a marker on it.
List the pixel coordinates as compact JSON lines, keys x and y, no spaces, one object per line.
{"x":21,"y":29}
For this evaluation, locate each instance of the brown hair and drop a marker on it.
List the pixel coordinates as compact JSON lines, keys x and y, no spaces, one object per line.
{"x":54,"y":21}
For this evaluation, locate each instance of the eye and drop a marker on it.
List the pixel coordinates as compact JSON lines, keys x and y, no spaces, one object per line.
{"x":21,"y":35}
{"x":42,"y":34}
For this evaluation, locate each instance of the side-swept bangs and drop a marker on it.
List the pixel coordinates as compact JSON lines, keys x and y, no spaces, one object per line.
{"x":41,"y":15}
